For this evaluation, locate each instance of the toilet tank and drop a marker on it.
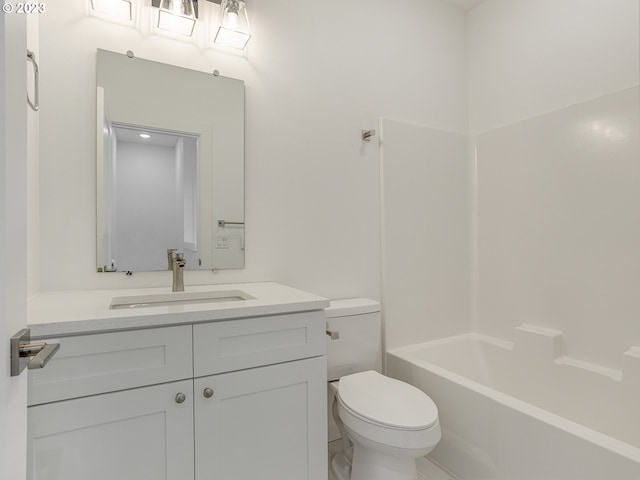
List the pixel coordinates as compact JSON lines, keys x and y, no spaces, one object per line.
{"x":357,"y":322}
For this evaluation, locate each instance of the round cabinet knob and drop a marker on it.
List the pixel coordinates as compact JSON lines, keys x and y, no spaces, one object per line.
{"x":208,"y":392}
{"x":180,"y":398}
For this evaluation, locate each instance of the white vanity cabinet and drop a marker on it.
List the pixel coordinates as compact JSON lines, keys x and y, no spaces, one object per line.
{"x":110,"y":406}
{"x":261,"y":422}
{"x":138,"y":434}
{"x":235,"y":399}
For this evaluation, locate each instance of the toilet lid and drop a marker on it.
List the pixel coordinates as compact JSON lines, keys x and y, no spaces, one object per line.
{"x":386,"y":401}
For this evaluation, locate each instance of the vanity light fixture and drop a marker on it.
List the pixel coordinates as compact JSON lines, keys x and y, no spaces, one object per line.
{"x":120,"y":9}
{"x":145,"y":136}
{"x":177,"y":16}
{"x":233,"y":30}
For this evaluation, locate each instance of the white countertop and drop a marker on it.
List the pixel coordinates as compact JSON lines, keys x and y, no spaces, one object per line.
{"x":53,"y":314}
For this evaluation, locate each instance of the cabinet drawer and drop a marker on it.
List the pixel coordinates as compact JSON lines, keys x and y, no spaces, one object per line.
{"x":92,"y":364}
{"x":249,"y":342}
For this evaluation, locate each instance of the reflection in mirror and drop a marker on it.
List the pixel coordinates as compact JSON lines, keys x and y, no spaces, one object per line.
{"x":170,"y":166}
{"x":150,"y":192}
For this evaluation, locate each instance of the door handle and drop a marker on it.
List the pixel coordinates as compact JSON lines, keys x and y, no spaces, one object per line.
{"x":29,"y":355}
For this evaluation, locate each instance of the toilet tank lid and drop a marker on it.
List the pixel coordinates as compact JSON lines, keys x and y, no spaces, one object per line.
{"x":351,"y":306}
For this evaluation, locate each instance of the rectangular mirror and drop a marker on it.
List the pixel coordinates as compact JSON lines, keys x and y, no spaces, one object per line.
{"x":170,"y":166}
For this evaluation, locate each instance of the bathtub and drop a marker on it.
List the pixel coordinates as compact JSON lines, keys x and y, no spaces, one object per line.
{"x":524,"y":410}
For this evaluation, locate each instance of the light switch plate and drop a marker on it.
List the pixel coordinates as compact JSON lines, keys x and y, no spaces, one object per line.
{"x":222,"y":241}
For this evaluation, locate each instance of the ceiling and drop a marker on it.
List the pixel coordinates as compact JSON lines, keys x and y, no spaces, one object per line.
{"x":133,"y":135}
{"x":464,"y":4}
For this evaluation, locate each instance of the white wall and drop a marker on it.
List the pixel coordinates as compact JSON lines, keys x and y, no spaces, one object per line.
{"x":426,"y":248}
{"x":316,"y":73}
{"x":556,"y":117}
{"x":529,"y":57}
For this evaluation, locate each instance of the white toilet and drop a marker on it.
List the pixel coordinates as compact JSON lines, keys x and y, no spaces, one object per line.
{"x":385,"y":423}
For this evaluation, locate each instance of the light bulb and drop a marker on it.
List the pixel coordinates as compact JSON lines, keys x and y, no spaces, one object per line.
{"x":233,"y":30}
{"x":232,"y":20}
{"x":177,"y":16}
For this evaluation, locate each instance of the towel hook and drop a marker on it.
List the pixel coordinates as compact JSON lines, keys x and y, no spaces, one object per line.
{"x":35,"y":105}
{"x":367,"y":134}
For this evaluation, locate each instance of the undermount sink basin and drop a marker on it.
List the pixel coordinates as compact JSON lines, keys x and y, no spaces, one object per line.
{"x":178,"y":298}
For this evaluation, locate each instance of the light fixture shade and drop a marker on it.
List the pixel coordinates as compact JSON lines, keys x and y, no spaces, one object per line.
{"x":177,"y":16}
{"x":120,"y":9}
{"x":233,"y":30}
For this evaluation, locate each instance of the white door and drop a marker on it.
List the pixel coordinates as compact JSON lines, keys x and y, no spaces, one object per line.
{"x":13,"y":239}
{"x":138,"y":434}
{"x":266,"y":423}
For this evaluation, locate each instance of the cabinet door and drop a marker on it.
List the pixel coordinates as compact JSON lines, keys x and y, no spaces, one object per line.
{"x":139,"y":434}
{"x":266,"y":423}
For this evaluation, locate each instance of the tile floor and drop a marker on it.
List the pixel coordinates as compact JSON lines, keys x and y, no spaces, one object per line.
{"x":427,"y":470}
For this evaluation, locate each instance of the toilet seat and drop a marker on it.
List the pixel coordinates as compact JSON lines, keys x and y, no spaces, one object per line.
{"x":387,"y":402}
{"x":388,"y":412}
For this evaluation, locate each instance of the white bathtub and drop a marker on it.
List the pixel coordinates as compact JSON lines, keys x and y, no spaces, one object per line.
{"x":524,"y":411}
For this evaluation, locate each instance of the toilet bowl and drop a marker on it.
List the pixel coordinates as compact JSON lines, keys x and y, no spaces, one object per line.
{"x":385,"y":424}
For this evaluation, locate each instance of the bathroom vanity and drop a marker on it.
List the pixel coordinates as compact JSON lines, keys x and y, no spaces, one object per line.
{"x":233,"y":387}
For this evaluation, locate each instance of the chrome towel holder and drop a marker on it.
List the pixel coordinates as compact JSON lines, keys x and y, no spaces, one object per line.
{"x":224,"y":223}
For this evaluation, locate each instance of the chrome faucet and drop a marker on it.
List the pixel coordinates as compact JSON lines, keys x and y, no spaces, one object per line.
{"x":176,"y":263}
